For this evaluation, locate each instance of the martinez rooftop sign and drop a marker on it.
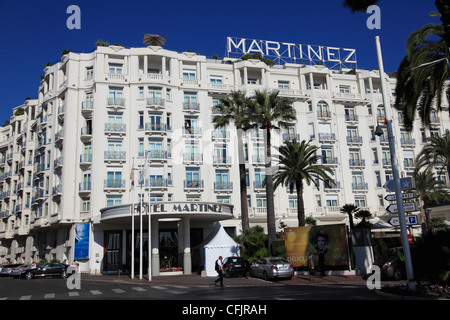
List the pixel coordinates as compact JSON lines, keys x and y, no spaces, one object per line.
{"x":332,"y":57}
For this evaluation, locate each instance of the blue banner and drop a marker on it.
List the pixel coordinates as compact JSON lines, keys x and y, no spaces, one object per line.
{"x":81,"y":241}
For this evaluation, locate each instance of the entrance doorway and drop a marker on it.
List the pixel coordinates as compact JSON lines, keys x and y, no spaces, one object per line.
{"x":112,"y":261}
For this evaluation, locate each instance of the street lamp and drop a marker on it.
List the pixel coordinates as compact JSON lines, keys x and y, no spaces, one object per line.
{"x":395,"y":172}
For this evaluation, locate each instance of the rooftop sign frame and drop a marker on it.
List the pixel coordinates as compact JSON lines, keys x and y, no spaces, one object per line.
{"x":286,"y":52}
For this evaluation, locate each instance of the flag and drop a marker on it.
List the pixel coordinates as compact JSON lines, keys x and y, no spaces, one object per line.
{"x":132,"y":177}
{"x":144,"y":171}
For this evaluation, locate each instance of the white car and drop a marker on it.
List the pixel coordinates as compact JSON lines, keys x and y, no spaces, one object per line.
{"x":271,"y":268}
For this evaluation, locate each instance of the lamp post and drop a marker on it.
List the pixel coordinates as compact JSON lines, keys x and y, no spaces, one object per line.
{"x":395,"y":172}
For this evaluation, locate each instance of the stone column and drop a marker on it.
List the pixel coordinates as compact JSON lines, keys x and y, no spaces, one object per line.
{"x":155,"y":247}
{"x":187,"y":263}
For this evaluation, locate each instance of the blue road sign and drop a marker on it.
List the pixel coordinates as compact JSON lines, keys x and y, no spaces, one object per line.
{"x":410,"y":220}
{"x":405,"y":184}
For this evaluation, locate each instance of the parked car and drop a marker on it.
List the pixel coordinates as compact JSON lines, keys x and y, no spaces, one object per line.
{"x":47,"y":270}
{"x":235,"y":266}
{"x":271,"y":268}
{"x":391,"y":264}
{"x":19,"y":271}
{"x":7,"y":268}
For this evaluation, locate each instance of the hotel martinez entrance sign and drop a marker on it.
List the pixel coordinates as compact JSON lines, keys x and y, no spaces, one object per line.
{"x":282,"y":52}
{"x":200,"y":211}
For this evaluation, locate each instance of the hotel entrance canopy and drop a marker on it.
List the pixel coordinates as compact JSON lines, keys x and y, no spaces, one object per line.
{"x":195,"y":211}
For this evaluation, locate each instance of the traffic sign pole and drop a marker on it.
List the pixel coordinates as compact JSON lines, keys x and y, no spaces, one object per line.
{"x":394,"y":163}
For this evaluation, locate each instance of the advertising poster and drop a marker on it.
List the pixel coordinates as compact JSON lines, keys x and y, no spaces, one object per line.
{"x":325,"y":242}
{"x":81,"y":241}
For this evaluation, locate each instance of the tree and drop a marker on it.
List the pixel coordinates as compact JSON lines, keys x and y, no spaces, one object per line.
{"x":443,"y":7}
{"x":428,"y":188}
{"x":422,"y":74}
{"x":270,"y":112}
{"x":363,"y":214}
{"x":437,"y":151}
{"x":297,"y":165}
{"x":235,"y":108}
{"x":350,"y":209}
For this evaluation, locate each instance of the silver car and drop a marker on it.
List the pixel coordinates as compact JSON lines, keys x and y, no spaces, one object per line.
{"x":271,"y":268}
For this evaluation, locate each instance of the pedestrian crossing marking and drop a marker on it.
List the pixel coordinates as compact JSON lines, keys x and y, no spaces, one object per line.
{"x":73,"y":294}
{"x":116,"y":290}
{"x":49,"y":296}
{"x":96,"y":292}
{"x":25,"y":298}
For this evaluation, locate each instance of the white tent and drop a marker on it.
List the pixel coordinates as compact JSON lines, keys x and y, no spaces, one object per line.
{"x":218,"y":243}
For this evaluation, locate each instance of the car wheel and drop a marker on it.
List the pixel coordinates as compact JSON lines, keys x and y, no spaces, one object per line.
{"x":64,"y":274}
{"x":29,"y":275}
{"x":265,"y":276}
{"x":227,"y":274}
{"x":397,"y":275}
{"x":250,"y":273}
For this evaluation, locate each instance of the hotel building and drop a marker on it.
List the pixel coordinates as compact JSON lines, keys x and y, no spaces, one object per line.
{"x":68,"y":157}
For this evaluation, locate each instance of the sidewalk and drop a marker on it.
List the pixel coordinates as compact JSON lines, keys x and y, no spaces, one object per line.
{"x":194,"y":280}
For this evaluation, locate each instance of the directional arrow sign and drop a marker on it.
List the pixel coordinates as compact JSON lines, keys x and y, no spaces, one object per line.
{"x":393,"y":197}
{"x":405,"y":184}
{"x":410,"y":220}
{"x":407,"y":206}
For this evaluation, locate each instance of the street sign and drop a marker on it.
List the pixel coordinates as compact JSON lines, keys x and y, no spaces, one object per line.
{"x":393,"y":197}
{"x":405,"y":184}
{"x":410,"y":220}
{"x":407,"y":206}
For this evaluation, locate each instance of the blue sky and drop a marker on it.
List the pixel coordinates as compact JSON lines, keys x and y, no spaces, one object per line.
{"x":33,"y":32}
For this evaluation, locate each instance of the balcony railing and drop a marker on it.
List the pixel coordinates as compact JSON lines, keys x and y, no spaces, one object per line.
{"x":360,"y":186}
{"x":357,"y":162}
{"x":193,"y":157}
{"x":327,"y":136}
{"x":189,"y":184}
{"x":192,"y":131}
{"x":291,"y":136}
{"x":330,"y":160}
{"x":155,"y":102}
{"x":87,"y":106}
{"x":115,"y":102}
{"x":223,"y":186}
{"x":221,"y":160}
{"x":86,"y":158}
{"x":115,"y":155}
{"x":354,"y":139}
{"x":84,"y":186}
{"x":156,"y":154}
{"x":115,"y":127}
{"x":159,"y":127}
{"x":114,"y":184}
{"x":191,"y":107}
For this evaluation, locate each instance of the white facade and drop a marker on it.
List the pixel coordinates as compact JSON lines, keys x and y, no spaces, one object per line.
{"x":98,"y":115}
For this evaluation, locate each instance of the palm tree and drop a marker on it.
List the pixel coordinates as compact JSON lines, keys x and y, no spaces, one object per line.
{"x":437,"y":151}
{"x":443,"y":7}
{"x":350,"y":209}
{"x":270,"y":112}
{"x":422,"y":75}
{"x":298,"y":164}
{"x":235,"y":108}
{"x":363,"y":214}
{"x":429,"y":189}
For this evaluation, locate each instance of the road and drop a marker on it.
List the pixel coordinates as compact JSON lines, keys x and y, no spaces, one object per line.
{"x":237,"y":289}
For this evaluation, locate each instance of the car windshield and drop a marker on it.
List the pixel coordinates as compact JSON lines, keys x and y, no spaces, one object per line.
{"x":278,"y":261}
{"x":234,"y":260}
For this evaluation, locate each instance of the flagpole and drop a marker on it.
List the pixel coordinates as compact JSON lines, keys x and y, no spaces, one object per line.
{"x":144,"y":173}
{"x":132,"y":220}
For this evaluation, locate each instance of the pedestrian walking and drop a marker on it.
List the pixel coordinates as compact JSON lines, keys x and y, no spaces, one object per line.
{"x":311,"y":267}
{"x":219,"y":269}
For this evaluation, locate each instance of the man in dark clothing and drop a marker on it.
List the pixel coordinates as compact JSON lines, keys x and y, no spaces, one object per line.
{"x":219,"y":269}
{"x":311,"y":267}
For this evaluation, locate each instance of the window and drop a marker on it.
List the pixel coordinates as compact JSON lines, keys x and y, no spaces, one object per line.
{"x":115,"y":68}
{"x":155,"y":96}
{"x":89,"y":72}
{"x":344,"y":89}
{"x":188,"y":74}
{"x":261,"y":201}
{"x":193,"y":197}
{"x":191,"y":124}
{"x":386,"y":154}
{"x":252,"y":81}
{"x":192,"y":177}
{"x":259,"y":178}
{"x":293,"y":202}
{"x":258,"y":153}
{"x":358,"y":181}
{"x":350,"y":114}
{"x":113,"y":200}
{"x":220,"y":153}
{"x":114,"y":179}
{"x":323,"y":110}
{"x":190,"y":100}
{"x":375,"y":155}
{"x":332,"y":200}
{"x":222,"y":180}
{"x":115,"y":96}
{"x":223,"y":199}
{"x":360,"y":201}
{"x":156,"y":197}
{"x":327,"y":155}
{"x":378,"y":179}
{"x":215,"y":79}
{"x":85,"y":205}
{"x":355,"y":157}
{"x":283,"y":84}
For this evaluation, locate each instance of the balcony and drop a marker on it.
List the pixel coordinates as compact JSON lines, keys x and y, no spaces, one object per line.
{"x":84,"y":187}
{"x":192,"y":131}
{"x":217,"y":161}
{"x":191,"y":107}
{"x":158,"y":183}
{"x":57,"y":190}
{"x":86,"y":133}
{"x":330,"y":186}
{"x":58,"y":163}
{"x":360,"y":187}
{"x":327,"y":137}
{"x":114,"y":184}
{"x":86,"y":159}
{"x":408,"y":142}
{"x":330,"y":160}
{"x":357,"y":162}
{"x":156,"y":127}
{"x":351,"y":118}
{"x":115,"y":102}
{"x":258,"y":186}
{"x":258,"y":160}
{"x":156,"y":155}
{"x":155,"y":103}
{"x":115,"y":128}
{"x":354,"y":140}
{"x":87,"y":107}
{"x":193,"y":185}
{"x":193,"y":157}
{"x":291,"y":136}
{"x":324,"y":114}
{"x":220,"y":135}
{"x":223,"y":186}
{"x":111,"y":156}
